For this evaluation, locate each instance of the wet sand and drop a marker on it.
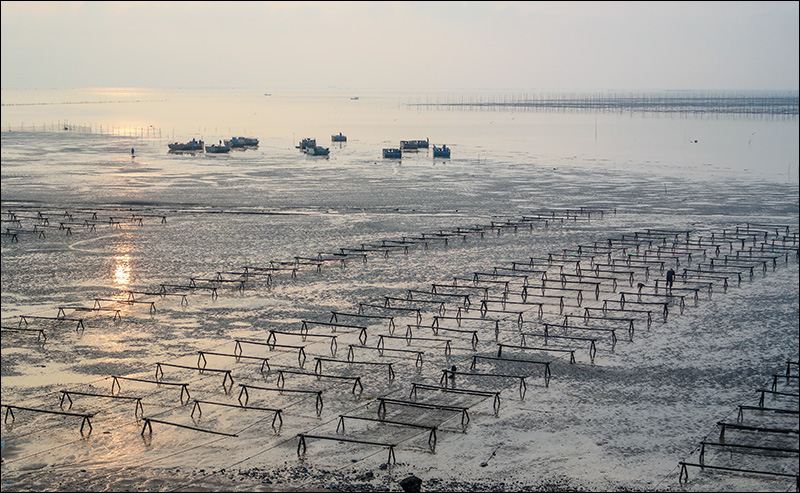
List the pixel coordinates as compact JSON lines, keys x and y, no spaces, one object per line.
{"x":620,"y":423}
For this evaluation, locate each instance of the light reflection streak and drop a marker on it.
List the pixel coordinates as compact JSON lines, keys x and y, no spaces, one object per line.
{"x":122,"y":270}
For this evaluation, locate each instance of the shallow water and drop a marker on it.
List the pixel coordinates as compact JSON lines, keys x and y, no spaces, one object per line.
{"x":623,"y":422}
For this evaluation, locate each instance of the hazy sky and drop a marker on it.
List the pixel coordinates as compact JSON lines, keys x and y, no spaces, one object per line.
{"x":402,"y":45}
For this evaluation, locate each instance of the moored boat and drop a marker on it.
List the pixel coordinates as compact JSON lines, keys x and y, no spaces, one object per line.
{"x":192,"y":145}
{"x":306,"y":143}
{"x":317,"y":150}
{"x":241,"y":142}
{"x":422,"y":144}
{"x":413,"y":145}
{"x":218,"y":149}
{"x":392,"y":153}
{"x":443,"y":151}
{"x":339,"y":138}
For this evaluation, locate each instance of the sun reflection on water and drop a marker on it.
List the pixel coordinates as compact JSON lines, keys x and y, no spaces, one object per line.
{"x":122,"y":270}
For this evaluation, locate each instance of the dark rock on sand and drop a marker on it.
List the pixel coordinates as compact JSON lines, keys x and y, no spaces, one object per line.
{"x":411,"y":484}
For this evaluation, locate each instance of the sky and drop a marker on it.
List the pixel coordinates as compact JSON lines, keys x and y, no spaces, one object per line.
{"x":562,"y":46}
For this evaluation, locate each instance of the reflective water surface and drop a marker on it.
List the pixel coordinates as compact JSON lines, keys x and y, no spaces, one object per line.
{"x":140,"y":225}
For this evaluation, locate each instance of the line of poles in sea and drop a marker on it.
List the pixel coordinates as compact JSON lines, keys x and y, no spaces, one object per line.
{"x":87,"y":128}
{"x":772,"y":104}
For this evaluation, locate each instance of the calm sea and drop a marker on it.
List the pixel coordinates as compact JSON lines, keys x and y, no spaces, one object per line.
{"x":704,"y":146}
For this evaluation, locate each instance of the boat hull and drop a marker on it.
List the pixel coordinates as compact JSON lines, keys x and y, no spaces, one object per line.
{"x":317,"y":151}
{"x":241,"y":142}
{"x":192,"y":145}
{"x":392,"y":153}
{"x":307,"y":143}
{"x":215,"y":149}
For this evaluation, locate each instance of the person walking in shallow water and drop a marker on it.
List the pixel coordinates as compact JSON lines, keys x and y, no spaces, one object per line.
{"x":670,"y":279}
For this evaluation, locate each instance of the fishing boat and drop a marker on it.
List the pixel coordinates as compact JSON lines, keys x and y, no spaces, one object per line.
{"x":192,"y":145}
{"x":317,"y":150}
{"x":218,"y":149}
{"x":422,"y":144}
{"x":242,"y":142}
{"x":392,"y":153}
{"x":443,"y":151}
{"x":413,"y":145}
{"x":339,"y":138}
{"x":305,"y":143}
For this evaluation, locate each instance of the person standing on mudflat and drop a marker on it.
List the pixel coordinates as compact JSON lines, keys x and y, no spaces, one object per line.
{"x":670,"y":278}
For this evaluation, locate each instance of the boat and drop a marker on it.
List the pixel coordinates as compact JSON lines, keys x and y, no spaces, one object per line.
{"x":412,"y":145}
{"x":317,"y":150}
{"x":192,"y":145}
{"x":305,"y":143}
{"x":392,"y":153}
{"x":218,"y":149}
{"x":354,"y":98}
{"x":339,"y":138}
{"x":443,"y":151}
{"x":242,"y":142}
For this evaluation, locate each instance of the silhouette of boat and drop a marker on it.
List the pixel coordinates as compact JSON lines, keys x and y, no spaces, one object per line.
{"x":317,"y":150}
{"x":392,"y":153}
{"x":192,"y":145}
{"x":306,"y":143}
{"x":218,"y":149}
{"x":241,"y":142}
